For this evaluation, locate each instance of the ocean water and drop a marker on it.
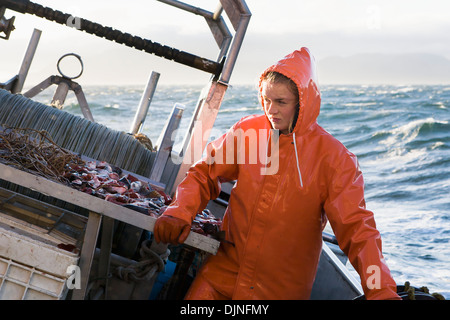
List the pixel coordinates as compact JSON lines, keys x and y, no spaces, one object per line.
{"x":401,"y":135}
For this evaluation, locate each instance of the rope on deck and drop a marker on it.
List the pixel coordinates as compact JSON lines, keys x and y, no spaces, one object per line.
{"x":77,"y":134}
{"x":150,"y":264}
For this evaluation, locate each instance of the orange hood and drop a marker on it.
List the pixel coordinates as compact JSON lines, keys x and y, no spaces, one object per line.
{"x":300,"y":67}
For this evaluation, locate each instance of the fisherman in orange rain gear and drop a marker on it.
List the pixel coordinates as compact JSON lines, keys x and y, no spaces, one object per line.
{"x":281,"y":202}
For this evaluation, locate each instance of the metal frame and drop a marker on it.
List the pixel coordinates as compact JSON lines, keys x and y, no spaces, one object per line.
{"x":211,"y":97}
{"x":165,"y":142}
{"x":215,"y":21}
{"x":239,"y":15}
{"x":64,"y":85}
{"x":144,"y":104}
{"x":97,"y":205}
{"x":195,"y":140}
{"x":15,"y":84}
{"x":98,"y":208}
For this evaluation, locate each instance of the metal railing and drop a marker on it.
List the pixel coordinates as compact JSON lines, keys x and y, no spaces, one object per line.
{"x":210,"y":98}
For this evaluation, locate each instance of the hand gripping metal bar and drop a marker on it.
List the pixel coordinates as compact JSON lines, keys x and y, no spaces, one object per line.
{"x":25,"y":6}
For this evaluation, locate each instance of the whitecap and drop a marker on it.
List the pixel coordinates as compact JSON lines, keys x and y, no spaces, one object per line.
{"x":112,"y":106}
{"x":408,"y":132}
{"x":441,"y":105}
{"x":242,"y":109}
{"x":404,"y":90}
{"x":360,"y":104}
{"x":437,"y":145}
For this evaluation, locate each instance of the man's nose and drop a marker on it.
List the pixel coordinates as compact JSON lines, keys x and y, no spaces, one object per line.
{"x":270,"y":108}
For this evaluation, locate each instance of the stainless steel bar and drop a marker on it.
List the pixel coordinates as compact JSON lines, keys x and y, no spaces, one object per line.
{"x":218,"y":12}
{"x":39,"y":87}
{"x":60,"y":95}
{"x":234,"y":10}
{"x":87,"y":253}
{"x":105,"y":253}
{"x":216,"y":23}
{"x":84,"y":106}
{"x":241,"y":29}
{"x":188,"y":7}
{"x":202,"y":122}
{"x":166,"y":142}
{"x":144,"y":104}
{"x":26,"y":62}
{"x":8,"y":85}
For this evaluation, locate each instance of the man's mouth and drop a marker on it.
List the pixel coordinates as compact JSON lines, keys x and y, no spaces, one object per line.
{"x":275,"y":120}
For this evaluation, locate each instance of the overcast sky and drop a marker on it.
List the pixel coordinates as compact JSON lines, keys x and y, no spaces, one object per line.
{"x":327,"y":27}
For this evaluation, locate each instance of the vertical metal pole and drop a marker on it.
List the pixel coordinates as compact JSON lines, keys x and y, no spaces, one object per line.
{"x":60,"y":95}
{"x":105,"y":253}
{"x":235,"y":48}
{"x":87,"y":253}
{"x":144,"y":104}
{"x":201,"y":125}
{"x":83,"y":103}
{"x":166,"y":142}
{"x":26,"y":62}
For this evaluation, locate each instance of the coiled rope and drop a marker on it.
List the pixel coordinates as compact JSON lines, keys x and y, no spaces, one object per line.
{"x":77,"y":134}
{"x":408,"y":292}
{"x":148,"y":266}
{"x":39,"y":156}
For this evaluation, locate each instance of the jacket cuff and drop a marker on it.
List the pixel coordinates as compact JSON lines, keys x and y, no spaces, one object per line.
{"x":175,"y":211}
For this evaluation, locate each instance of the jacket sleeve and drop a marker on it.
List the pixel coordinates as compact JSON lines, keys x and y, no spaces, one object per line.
{"x":203,"y":180}
{"x":355,"y":228}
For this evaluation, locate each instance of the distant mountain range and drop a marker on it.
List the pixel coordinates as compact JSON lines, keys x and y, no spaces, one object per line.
{"x":385,"y":69}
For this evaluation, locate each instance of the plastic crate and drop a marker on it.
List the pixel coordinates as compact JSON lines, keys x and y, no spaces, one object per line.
{"x":19,"y":282}
{"x":31,"y":268}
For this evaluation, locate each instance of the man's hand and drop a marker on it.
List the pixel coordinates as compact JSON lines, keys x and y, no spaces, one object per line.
{"x":170,"y":229}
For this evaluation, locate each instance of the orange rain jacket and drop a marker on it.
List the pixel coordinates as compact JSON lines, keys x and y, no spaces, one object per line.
{"x":274,"y":221}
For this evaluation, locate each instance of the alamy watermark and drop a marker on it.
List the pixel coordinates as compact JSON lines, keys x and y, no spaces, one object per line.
{"x":74,"y":279}
{"x":374,"y":280}
{"x":74,"y":20}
